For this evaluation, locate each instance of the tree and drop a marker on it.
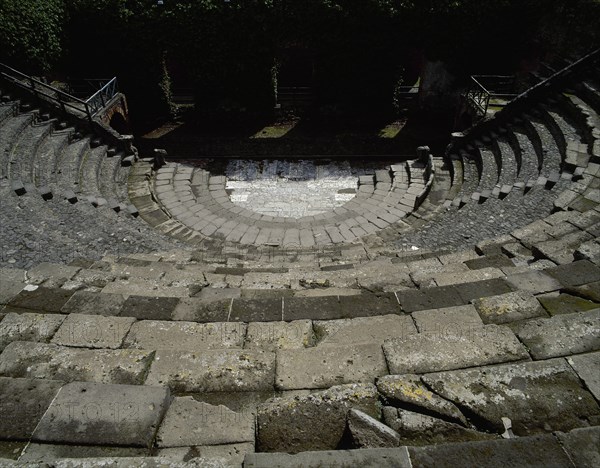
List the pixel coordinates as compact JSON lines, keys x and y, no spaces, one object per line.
{"x":31,"y":33}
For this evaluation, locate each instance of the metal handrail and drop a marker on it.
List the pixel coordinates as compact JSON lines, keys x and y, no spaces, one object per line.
{"x":89,"y":107}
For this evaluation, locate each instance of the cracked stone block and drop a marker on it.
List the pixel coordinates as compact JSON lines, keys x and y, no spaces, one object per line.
{"x":582,"y":445}
{"x":558,"y":304}
{"x":454,"y":349}
{"x":95,"y":413}
{"x":541,"y":450}
{"x":41,"y":298}
{"x":287,"y":424}
{"x":44,"y":453}
{"x":185,"y":336}
{"x":24,"y":402}
{"x":443,"y":320}
{"x":323,"y":367}
{"x":49,"y":361}
{"x":272,"y":336}
{"x":561,"y":335}
{"x":421,"y":429}
{"x":189,"y":423}
{"x":536,"y":396}
{"x":410,"y":391}
{"x":362,"y":330}
{"x":93,"y":331}
{"x":213,"y":370}
{"x":28,"y":327}
{"x":381,"y":457}
{"x":509,"y":307}
{"x":91,"y":303}
{"x":367,"y":432}
{"x":586,"y":366}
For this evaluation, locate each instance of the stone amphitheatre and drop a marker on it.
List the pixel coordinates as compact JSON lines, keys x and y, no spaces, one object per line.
{"x":437,"y":311}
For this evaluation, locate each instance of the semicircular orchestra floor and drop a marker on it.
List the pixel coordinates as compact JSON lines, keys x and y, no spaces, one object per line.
{"x":287,"y":203}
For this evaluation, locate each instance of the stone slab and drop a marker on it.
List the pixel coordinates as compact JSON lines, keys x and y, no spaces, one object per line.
{"x":536,"y":282}
{"x":423,"y":429}
{"x":93,"y":331}
{"x":196,"y":309}
{"x":317,"y":308}
{"x":509,"y":307}
{"x":587,"y":366}
{"x":100,"y":414}
{"x":365,"y":330}
{"x":40,"y":453}
{"x":438,"y":321}
{"x":582,"y":445}
{"x":54,"y":274}
{"x":149,"y":308}
{"x":447,"y":279}
{"x":91,"y":303}
{"x":9,"y":289}
{"x":367,"y":432}
{"x":41,"y":298}
{"x":380,"y":457}
{"x":576,"y":273}
{"x":324,"y":367}
{"x":213,"y":370}
{"x":256,"y":310}
{"x":28,"y":327}
{"x":536,"y":396}
{"x":189,"y":422}
{"x":467,"y":346}
{"x":409,"y":391}
{"x":289,"y":424}
{"x":429,"y":298}
{"x":558,"y":304}
{"x":272,"y":336}
{"x":536,"y":451}
{"x":561,"y":335}
{"x":23,"y":402}
{"x":49,"y":361}
{"x":185,"y":336}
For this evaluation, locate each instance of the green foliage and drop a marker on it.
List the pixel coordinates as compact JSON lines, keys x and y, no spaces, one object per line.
{"x":228,"y":51}
{"x":30,"y":33}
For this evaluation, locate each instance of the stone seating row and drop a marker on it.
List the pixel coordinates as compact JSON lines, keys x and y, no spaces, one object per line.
{"x":44,"y":156}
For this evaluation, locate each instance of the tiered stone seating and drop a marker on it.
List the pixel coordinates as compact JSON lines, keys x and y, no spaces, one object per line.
{"x":280,"y":342}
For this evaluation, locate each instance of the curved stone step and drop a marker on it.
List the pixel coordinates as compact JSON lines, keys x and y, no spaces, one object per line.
{"x":10,"y":131}
{"x":22,"y":159}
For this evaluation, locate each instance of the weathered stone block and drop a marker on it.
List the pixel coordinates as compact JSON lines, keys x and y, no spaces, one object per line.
{"x":189,"y":422}
{"x":213,"y":370}
{"x":422,"y":429}
{"x":23,"y":403}
{"x":49,"y":361}
{"x":362,"y":330}
{"x":467,"y":347}
{"x":323,"y":367}
{"x":561,"y":335}
{"x":93,"y":413}
{"x":367,"y":432}
{"x":28,"y":327}
{"x":93,"y":331}
{"x":508,"y":307}
{"x":408,"y":390}
{"x":288,"y":424}
{"x":272,"y":336}
{"x":185,"y":336}
{"x":536,"y":396}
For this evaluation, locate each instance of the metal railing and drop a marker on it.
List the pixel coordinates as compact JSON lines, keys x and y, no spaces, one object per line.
{"x":484,"y":88}
{"x":80,"y":107}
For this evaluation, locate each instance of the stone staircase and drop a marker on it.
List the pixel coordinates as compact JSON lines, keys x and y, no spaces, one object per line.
{"x":203,"y":334}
